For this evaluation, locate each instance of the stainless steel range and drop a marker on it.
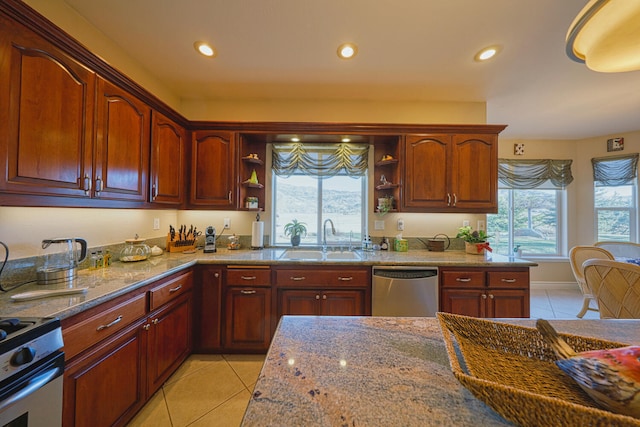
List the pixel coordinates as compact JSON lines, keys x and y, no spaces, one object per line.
{"x":31,"y":369}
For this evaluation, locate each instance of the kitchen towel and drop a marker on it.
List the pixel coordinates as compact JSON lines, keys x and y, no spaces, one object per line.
{"x":257,"y":235}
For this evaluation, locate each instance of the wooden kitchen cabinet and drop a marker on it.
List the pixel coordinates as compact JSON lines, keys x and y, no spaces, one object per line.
{"x":122,"y":145}
{"x":247,"y":308}
{"x":118,"y":353}
{"x":328,"y":291}
{"x":484,"y":292}
{"x":167,"y":172}
{"x":386,"y":172}
{"x":47,"y":110}
{"x":253,"y":151}
{"x":208,"y":309}
{"x":213,"y":170}
{"x":450,"y":173}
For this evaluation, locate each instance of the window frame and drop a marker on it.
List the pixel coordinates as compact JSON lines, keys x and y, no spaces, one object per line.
{"x":632,"y":210}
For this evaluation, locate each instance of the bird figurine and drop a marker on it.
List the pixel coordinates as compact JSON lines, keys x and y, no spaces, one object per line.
{"x":611,"y":377}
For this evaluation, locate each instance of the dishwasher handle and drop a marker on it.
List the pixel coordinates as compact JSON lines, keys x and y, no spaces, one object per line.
{"x":405,"y":274}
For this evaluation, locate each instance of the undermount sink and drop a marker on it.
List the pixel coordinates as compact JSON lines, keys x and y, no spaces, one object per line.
{"x":294,"y":254}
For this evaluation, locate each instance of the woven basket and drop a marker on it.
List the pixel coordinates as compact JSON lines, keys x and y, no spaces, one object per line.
{"x":511,"y":368}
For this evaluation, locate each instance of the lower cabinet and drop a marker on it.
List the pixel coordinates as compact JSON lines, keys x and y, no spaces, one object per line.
{"x":321,"y":302}
{"x":208,"y":308}
{"x":119,"y":353}
{"x":247,"y":309}
{"x":485,"y":292}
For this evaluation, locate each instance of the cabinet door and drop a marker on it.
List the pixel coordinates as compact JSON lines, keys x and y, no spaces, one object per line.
{"x":122,"y":145}
{"x":168,"y":144}
{"x":474,"y":172}
{"x":247,"y":318}
{"x":298,"y":302}
{"x":507,"y":303}
{"x":106,"y":387}
{"x":46,"y":107}
{"x":342,"y":303}
{"x":208,"y":309}
{"x":426,"y":180}
{"x":169,"y":340}
{"x":213,"y":170}
{"x":468,"y":302}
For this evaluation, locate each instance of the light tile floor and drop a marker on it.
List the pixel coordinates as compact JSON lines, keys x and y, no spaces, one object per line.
{"x":213,"y":390}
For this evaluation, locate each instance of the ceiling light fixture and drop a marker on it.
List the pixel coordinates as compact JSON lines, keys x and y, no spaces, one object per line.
{"x":347,"y":50}
{"x":606,"y":36}
{"x":487,"y":53}
{"x":205,"y":49}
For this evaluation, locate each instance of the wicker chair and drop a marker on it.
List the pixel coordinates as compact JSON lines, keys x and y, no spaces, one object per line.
{"x":621,"y":249}
{"x":616,"y":286}
{"x":577,"y":256}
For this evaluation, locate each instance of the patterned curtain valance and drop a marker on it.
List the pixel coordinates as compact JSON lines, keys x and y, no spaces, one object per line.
{"x":528,"y":174}
{"x":615,"y":170}
{"x":320,"y":160}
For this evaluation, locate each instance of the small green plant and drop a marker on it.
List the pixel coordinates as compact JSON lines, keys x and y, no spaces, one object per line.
{"x":467,"y":234}
{"x":295,"y":228}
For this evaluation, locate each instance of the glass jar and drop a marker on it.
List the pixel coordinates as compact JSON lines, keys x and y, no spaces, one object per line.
{"x":135,"y":250}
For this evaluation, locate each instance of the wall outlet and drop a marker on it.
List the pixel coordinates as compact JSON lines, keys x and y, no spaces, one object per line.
{"x":481,"y":226}
{"x":379,"y":225}
{"x":156,"y":223}
{"x":465,"y":223}
{"x":400,"y":224}
{"x":227,"y":223}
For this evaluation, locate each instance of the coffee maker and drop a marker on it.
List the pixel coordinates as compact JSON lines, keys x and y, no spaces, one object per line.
{"x":209,"y":240}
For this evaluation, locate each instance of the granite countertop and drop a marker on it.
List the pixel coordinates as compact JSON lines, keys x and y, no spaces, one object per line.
{"x":120,"y":278}
{"x":378,"y":371}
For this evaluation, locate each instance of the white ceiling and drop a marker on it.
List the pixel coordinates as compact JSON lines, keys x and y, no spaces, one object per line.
{"x":408,"y":50}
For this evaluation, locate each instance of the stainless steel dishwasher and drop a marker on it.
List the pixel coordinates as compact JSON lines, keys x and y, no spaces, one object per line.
{"x":404,"y":291}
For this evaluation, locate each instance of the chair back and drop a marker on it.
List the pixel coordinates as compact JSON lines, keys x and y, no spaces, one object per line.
{"x":621,"y":249}
{"x":578,"y":255}
{"x":616,"y":286}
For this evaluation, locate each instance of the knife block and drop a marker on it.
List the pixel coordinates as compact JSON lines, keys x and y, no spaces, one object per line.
{"x":180,"y":245}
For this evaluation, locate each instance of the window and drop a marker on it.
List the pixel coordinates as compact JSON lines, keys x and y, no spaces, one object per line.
{"x":531,"y":200}
{"x":614,"y":197}
{"x":311,"y":184}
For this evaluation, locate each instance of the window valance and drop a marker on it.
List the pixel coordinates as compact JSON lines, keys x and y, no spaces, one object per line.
{"x":528,"y":174}
{"x":320,"y":160}
{"x":615,"y":170}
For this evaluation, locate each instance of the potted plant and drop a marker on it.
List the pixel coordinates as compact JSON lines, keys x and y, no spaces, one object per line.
{"x":475,"y":242}
{"x":295,"y":229}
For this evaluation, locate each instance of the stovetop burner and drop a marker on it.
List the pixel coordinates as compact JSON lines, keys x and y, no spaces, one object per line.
{"x":11,"y":325}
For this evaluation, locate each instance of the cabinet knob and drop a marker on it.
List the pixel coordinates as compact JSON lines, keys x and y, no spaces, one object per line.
{"x":484,"y":296}
{"x":146,"y":327}
{"x":216,"y":275}
{"x":317,"y":296}
{"x":491,"y":296}
{"x":324,"y":297}
{"x":155,"y":321}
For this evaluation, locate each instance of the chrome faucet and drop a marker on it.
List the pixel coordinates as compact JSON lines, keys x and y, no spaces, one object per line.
{"x":324,"y":233}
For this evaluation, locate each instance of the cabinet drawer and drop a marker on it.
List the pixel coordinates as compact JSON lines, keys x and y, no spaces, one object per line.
{"x":248,"y":277}
{"x":169,"y":290}
{"x":85,"y":334}
{"x":297,"y":277}
{"x":456,"y":279}
{"x":508,"y":279}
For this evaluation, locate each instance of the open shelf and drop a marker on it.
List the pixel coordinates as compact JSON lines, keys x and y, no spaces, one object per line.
{"x":252,"y":184}
{"x":253,"y":160}
{"x":387,"y":186}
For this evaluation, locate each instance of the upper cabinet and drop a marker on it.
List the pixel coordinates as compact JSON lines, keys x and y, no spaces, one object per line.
{"x":450,"y":173}
{"x":252,"y":173}
{"x":213,"y":170}
{"x":168,"y":144}
{"x":122,"y":145}
{"x":47,"y":108}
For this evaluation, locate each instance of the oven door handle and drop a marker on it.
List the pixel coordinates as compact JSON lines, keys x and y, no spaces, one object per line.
{"x":34,"y":385}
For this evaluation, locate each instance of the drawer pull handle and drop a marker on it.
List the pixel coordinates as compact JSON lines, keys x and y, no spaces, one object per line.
{"x":463,"y":279}
{"x":108,"y":325}
{"x":176,"y":289}
{"x":345,"y":279}
{"x":509,"y":280}
{"x":298,"y":278}
{"x":248,"y":277}
{"x":247,"y":292}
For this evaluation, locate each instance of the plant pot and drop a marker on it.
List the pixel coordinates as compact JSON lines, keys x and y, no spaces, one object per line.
{"x":474,"y":248}
{"x":295,"y":240}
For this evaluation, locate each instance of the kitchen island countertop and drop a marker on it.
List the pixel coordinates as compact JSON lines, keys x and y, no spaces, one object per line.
{"x":378,"y":371}
{"x":120,"y":278}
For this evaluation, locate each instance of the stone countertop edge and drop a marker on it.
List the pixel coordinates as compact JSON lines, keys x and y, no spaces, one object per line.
{"x":384,"y":371}
{"x":118,"y":279}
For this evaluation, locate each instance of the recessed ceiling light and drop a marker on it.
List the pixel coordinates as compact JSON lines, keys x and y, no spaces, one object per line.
{"x":487,"y":53}
{"x":205,"y":49}
{"x":347,"y":50}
